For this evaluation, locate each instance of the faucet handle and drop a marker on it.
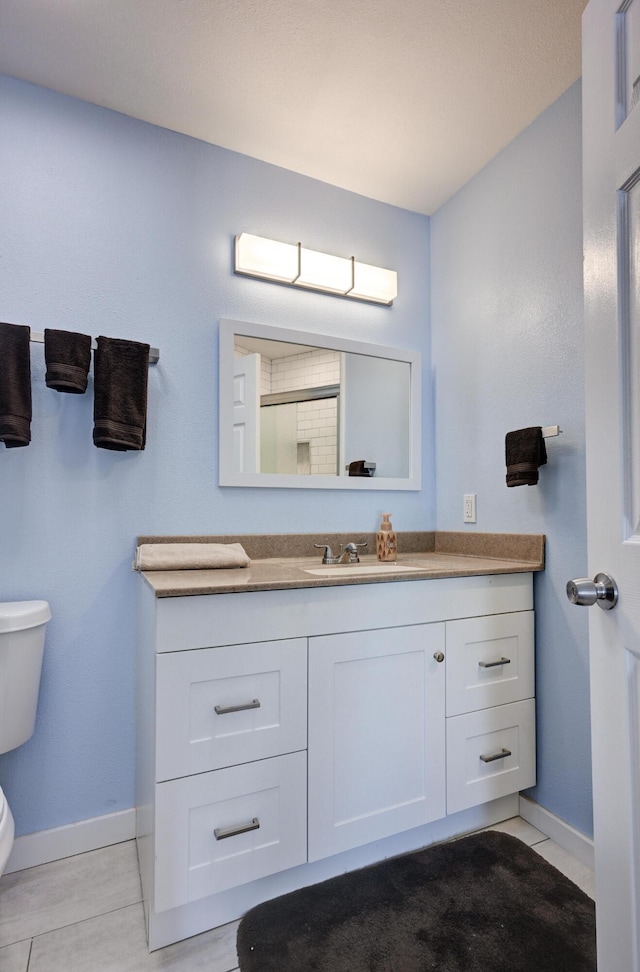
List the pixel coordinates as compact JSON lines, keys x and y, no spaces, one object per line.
{"x":327,"y":557}
{"x":351,"y":549}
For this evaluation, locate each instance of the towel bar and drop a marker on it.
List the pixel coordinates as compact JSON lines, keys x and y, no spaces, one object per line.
{"x":37,"y":337}
{"x":550,"y":430}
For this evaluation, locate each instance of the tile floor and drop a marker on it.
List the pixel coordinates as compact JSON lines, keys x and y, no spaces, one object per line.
{"x":85,"y":913}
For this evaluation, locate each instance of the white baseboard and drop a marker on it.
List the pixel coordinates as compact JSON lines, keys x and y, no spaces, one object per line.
{"x":76,"y":838}
{"x":557,"y":829}
{"x":86,"y":835}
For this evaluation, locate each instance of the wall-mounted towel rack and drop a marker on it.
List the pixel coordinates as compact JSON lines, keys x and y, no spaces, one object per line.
{"x":38,"y":338}
{"x":550,"y":430}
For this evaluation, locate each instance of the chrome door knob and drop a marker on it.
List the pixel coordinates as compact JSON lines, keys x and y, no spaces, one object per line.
{"x":602,"y":590}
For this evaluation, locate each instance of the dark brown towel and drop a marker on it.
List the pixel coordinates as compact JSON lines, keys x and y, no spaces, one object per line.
{"x":15,"y":386}
{"x":121,"y":370}
{"x":525,"y":451}
{"x":357,"y":468}
{"x":68,"y":357}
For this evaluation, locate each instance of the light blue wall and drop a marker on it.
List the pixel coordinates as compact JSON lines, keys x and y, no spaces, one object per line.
{"x":116,"y":227}
{"x":111,"y":226}
{"x":507,"y":353}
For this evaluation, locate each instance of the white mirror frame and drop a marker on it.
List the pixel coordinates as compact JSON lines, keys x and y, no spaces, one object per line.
{"x":229,"y":477}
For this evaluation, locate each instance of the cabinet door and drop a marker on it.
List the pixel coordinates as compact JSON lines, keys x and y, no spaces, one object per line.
{"x":376,"y":735}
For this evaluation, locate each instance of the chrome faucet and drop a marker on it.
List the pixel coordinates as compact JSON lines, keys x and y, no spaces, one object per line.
{"x":348,"y":553}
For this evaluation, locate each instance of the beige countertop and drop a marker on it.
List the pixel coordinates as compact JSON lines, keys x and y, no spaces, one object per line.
{"x":439,"y":554}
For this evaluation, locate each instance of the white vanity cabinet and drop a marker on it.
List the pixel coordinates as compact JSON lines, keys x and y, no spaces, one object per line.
{"x":285,"y":736}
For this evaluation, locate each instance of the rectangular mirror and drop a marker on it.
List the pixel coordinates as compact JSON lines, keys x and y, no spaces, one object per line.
{"x":309,"y":411}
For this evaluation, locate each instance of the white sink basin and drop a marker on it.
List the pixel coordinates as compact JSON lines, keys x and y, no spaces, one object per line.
{"x":350,"y":570}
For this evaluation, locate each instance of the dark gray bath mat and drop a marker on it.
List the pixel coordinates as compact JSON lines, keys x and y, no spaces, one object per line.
{"x":485,"y":903}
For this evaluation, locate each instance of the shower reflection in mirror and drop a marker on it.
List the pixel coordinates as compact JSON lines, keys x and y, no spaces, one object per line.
{"x":301,"y":398}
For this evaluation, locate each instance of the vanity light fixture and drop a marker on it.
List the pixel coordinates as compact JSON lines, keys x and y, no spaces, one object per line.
{"x":294,"y":264}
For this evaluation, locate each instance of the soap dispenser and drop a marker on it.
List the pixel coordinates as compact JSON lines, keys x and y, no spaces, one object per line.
{"x":386,"y":542}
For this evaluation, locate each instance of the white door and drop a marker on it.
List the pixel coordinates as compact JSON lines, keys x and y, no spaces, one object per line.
{"x":376,"y":735}
{"x":611,"y":152}
{"x":246,"y":413}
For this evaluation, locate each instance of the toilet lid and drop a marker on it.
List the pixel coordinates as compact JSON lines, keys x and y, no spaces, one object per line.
{"x":19,"y":615}
{"x":3,"y":807}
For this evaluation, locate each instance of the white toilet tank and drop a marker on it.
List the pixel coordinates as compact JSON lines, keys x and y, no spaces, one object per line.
{"x":22,"y":627}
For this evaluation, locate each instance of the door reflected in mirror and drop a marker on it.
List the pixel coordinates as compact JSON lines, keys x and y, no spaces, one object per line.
{"x":299,"y":413}
{"x":298,"y":398}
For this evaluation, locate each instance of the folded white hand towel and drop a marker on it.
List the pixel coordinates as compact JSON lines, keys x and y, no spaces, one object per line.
{"x":181,"y":556}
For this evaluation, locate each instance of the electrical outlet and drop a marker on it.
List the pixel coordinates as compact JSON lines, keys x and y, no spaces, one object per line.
{"x":469,"y":508}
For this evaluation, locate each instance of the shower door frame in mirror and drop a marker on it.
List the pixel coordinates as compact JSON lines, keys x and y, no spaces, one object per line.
{"x":229,"y":476}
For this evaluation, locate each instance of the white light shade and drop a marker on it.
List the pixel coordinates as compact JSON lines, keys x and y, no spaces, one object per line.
{"x":294,"y":264}
{"x":261,"y":257}
{"x":325,"y":272}
{"x":374,"y":283}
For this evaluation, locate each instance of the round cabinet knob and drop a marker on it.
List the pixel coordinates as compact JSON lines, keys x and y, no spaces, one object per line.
{"x":602,"y":590}
{"x":438,"y":655}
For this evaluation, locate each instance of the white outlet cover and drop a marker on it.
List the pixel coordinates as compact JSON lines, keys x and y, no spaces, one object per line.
{"x":469,"y":508}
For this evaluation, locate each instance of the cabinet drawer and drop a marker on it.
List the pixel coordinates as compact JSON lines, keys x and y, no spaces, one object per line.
{"x":219,"y":830}
{"x":506,"y":733}
{"x":490,"y":661}
{"x":218,"y":707}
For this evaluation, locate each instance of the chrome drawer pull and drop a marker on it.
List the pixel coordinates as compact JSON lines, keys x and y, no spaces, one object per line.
{"x":493,"y":664}
{"x":225,"y":709}
{"x":501,"y":755}
{"x":221,"y":832}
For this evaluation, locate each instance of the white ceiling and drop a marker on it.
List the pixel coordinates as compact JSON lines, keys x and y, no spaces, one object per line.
{"x":400,"y":100}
